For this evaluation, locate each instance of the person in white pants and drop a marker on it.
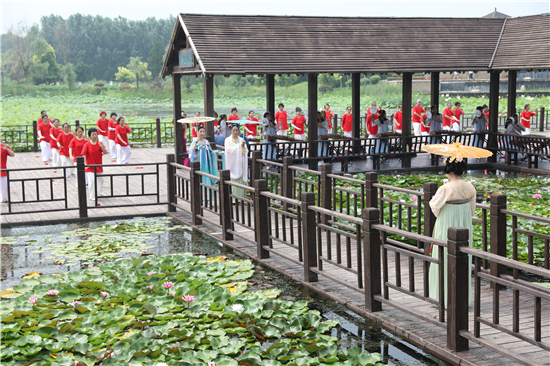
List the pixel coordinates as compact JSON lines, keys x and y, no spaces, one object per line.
{"x":44,"y":136}
{"x":93,"y":152}
{"x":54,"y":132}
{"x":122,"y":144}
{"x":6,"y":151}
{"x":63,"y":141}
{"x":111,"y":136}
{"x":76,"y":146}
{"x":417,"y":117}
{"x":103,"y":128}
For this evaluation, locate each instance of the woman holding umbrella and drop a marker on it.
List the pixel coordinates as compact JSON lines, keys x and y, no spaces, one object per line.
{"x":201,"y":151}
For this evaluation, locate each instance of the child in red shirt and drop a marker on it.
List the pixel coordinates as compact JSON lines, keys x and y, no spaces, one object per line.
{"x":282,"y":120}
{"x":347,"y":122}
{"x":111,"y":134}
{"x":329,"y":115}
{"x":103,"y":128}
{"x":93,"y":152}
{"x":251,"y":128}
{"x":122,"y":143}
{"x":298,"y":123}
{"x":63,"y":141}
{"x":44,"y":135}
{"x":54,"y":132}
{"x":6,"y":151}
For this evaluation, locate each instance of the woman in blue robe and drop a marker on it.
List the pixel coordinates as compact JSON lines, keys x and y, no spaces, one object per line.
{"x":201,"y":151}
{"x":269,"y":128}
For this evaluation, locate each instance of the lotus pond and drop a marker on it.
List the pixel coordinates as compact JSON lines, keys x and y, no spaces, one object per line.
{"x":151,"y":291}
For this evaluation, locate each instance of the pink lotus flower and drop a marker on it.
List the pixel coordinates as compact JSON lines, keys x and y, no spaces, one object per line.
{"x":53,"y":292}
{"x":414,"y":198}
{"x":352,"y":196}
{"x":33,"y":300}
{"x":151,"y":273}
{"x":150,"y":288}
{"x":75,"y":363}
{"x":167,"y":285}
{"x":378,"y":196}
{"x":74,"y":303}
{"x":104,"y":294}
{"x":537,"y":196}
{"x":188,"y":299}
{"x":173,"y":293}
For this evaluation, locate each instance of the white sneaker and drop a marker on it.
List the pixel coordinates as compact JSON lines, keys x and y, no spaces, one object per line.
{"x":102,"y":194}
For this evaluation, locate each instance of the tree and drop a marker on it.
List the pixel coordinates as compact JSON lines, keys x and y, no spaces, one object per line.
{"x":286,"y":80}
{"x":156,"y":58}
{"x":44,"y":64}
{"x":124,"y":75}
{"x":81,"y":71}
{"x":69,"y":75}
{"x":139,"y":69}
{"x":62,"y":40}
{"x":18,"y":50}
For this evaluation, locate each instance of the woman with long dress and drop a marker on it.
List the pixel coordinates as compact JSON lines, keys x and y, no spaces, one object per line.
{"x":478,"y":124}
{"x":201,"y":151}
{"x":269,"y":129}
{"x":236,"y":160}
{"x":322,"y":132}
{"x":454,"y":204}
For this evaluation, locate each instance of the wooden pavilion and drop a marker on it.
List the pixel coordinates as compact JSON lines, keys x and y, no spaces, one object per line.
{"x":209,"y":45}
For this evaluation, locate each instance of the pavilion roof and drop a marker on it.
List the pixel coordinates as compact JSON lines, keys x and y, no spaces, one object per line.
{"x":236,"y":44}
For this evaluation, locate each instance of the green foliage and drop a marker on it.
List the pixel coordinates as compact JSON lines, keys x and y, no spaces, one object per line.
{"x":69,"y":75}
{"x":17,"y":51}
{"x":44,"y":65}
{"x":125,"y":86}
{"x":125,"y":313}
{"x":81,"y":70}
{"x":124,"y":75}
{"x":374,"y":79}
{"x":286,"y":80}
{"x":156,"y":59}
{"x":334,"y":80}
{"x":139,"y":69}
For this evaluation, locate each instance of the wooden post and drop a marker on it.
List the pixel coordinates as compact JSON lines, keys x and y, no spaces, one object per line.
{"x":512,"y":94}
{"x":541,"y":119}
{"x":312,"y":120}
{"x":35,"y":136}
{"x":77,"y":123}
{"x":178,"y":128}
{"x":335,"y":124}
{"x":430,"y":190}
{"x":326,"y":191}
{"x":406,"y":141}
{"x":493,"y":115}
{"x":196,"y":192}
{"x":458,"y":278}
{"x":159,"y":134}
{"x":171,"y":182}
{"x":287,"y":178}
{"x":371,"y":192}
{"x":208,"y":81}
{"x":308,"y":236}
{"x":270,"y":94}
{"x":497,"y":234}
{"x":256,"y":166}
{"x":261,"y":218}
{"x":371,"y":257}
{"x":225,"y":204}
{"x":81,"y":179}
{"x":434,"y":82}
{"x":355,"y":107}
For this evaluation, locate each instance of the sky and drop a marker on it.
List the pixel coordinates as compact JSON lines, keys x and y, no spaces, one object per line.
{"x":30,"y":12}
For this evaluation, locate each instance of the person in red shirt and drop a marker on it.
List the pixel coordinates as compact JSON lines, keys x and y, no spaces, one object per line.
{"x":234,"y":116}
{"x":103,"y":128}
{"x":417,"y":117}
{"x":251,"y":128}
{"x":425,"y":125}
{"x":526,"y":115}
{"x":63,"y":141}
{"x":347,"y":122}
{"x":6,"y":151}
{"x":44,"y":136}
{"x":486,"y":113}
{"x":372,"y":129}
{"x":329,"y":114}
{"x":122,"y":143}
{"x":456,"y":122}
{"x":76,"y":145}
{"x":93,"y":152}
{"x":282,"y":120}
{"x":298,"y":123}
{"x":111,"y":134}
{"x":194,"y":126}
{"x":54,"y":132}
{"x":448,"y":116}
{"x":42,"y":113}
{"x":398,"y":118}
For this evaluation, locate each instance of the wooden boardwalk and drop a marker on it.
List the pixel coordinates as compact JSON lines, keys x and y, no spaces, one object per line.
{"x":427,"y":336}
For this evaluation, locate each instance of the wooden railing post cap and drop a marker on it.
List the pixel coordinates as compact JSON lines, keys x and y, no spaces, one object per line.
{"x":307,"y":197}
{"x":457,"y":237}
{"x":498,"y":199}
{"x":371,"y":176}
{"x":260,"y":183}
{"x":430,"y":187}
{"x":225,"y":174}
{"x":326,"y":168}
{"x":195,"y":165}
{"x":370,"y":213}
{"x":80,"y":159}
{"x":287,"y":160}
{"x":170,"y":158}
{"x":257,"y":154}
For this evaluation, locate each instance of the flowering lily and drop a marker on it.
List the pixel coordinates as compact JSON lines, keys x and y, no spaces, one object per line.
{"x":33,"y":300}
{"x":173,"y":293}
{"x":237,"y":307}
{"x":150,"y":288}
{"x":74,"y":303}
{"x":161,"y":364}
{"x":414,"y":198}
{"x":104,"y":294}
{"x":537,"y":196}
{"x":53,"y":292}
{"x":151,"y":273}
{"x":211,"y":363}
{"x":188,"y":299}
{"x":167,"y":285}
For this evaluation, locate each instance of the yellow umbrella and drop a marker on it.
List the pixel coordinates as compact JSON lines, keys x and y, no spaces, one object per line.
{"x":457,"y":150}
{"x":196,"y":119}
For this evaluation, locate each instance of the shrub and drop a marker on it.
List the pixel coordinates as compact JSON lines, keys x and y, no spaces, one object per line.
{"x":374,"y":79}
{"x":99,"y":83}
{"x":325,"y":88}
{"x":125,"y":86}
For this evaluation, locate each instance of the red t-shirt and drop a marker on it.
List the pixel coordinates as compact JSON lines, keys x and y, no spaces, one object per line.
{"x":458,"y":112}
{"x":282,"y":120}
{"x":447,"y":117}
{"x":123,"y":132}
{"x":299,"y":123}
{"x":64,"y":141}
{"x":94,"y":156}
{"x":398,"y":120}
{"x":112,"y":134}
{"x":194,"y":127}
{"x":103,"y":124}
{"x":4,"y":161}
{"x":233,"y":118}
{"x":372,"y":129}
{"x":527,"y":115}
{"x":55,"y":133}
{"x":77,"y":146}
{"x":252,"y":127}
{"x":346,"y":122}
{"x":45,"y":131}
{"x":329,"y":117}
{"x":422,"y":128}
{"x":419,"y":110}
